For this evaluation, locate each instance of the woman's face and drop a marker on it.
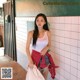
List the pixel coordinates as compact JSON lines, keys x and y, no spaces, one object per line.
{"x":40,"y":22}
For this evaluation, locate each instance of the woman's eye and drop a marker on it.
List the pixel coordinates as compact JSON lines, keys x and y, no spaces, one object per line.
{"x":39,"y":20}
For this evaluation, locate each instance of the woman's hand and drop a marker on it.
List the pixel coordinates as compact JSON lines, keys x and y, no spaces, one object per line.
{"x":43,"y":52}
{"x":31,"y":64}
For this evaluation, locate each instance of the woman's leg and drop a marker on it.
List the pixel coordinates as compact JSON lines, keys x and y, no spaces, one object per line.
{"x":45,"y":73}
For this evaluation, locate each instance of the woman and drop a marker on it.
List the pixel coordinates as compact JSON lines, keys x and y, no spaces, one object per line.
{"x":41,"y":42}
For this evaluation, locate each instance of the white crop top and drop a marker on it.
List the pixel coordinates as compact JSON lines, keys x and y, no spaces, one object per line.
{"x":41,"y":43}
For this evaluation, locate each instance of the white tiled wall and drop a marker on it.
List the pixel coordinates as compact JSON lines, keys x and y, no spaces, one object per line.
{"x":65,"y":44}
{"x":21,"y":38}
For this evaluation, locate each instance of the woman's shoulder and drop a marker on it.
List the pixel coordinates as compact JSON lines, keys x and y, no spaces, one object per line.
{"x":48,"y":32}
{"x":30,"y":33}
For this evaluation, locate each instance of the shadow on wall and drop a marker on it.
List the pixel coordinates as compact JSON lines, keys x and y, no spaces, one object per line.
{"x":55,"y":58}
{"x":22,"y":59}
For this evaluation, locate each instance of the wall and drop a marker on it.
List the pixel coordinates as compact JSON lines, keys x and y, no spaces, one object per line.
{"x":66,"y":45}
{"x":48,"y":7}
{"x":21,"y":38}
{"x":65,"y":48}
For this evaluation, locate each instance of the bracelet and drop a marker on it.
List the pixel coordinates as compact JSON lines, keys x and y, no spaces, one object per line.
{"x":48,"y":50}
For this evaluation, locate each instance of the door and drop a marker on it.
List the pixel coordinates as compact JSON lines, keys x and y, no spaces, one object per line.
{"x":9,"y":30}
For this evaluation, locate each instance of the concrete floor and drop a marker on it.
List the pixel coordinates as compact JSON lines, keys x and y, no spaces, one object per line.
{"x":5,"y":59}
{"x":18,"y":72}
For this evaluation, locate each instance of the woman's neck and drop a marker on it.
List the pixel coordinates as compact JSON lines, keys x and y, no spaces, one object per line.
{"x":41,"y":30}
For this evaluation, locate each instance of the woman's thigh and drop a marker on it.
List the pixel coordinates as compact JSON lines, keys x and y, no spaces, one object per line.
{"x":44,"y":72}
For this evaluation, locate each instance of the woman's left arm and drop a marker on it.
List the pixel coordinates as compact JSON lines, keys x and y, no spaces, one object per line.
{"x":43,"y":52}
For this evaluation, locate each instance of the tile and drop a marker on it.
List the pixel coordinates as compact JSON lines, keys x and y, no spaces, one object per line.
{"x":79,"y":28}
{"x":62,"y":52}
{"x":67,"y":41}
{"x":57,"y":45}
{"x":62,"y":39}
{"x":78,"y":66}
{"x":67,"y":61}
{"x":57,"y":38}
{"x":57,"y":26}
{"x":78,"y":78}
{"x":74,"y":50}
{"x":78,"y":73}
{"x":68,"y":19}
{"x":74,"y":27}
{"x":56,"y":50}
{"x":74,"y":64}
{"x":74,"y":71}
{"x":73,"y":77}
{"x":79,"y":35}
{"x":74,"y":57}
{"x":62,"y":46}
{"x":57,"y":76}
{"x":57,"y":32}
{"x":62,"y":65}
{"x":74,"y":35}
{"x":67,"y":54}
{"x":68,"y":27}
{"x":79,"y":19}
{"x":75,"y":20}
{"x":73,"y":42}
{"x":62,"y":78}
{"x":79,"y":43}
{"x":67,"y":47}
{"x":62,"y":33}
{"x":62,"y":19}
{"x":67,"y":34}
{"x":55,"y":79}
{"x":57,"y":20}
{"x":67,"y":75}
{"x":62,"y":71}
{"x":61,"y":26}
{"x":79,"y":51}
{"x":67,"y":68}
{"x":79,"y":58}
{"x":62,"y":59}
{"x":49,"y":19}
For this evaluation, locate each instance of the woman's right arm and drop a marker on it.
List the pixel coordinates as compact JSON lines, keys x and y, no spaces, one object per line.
{"x":28,"y":48}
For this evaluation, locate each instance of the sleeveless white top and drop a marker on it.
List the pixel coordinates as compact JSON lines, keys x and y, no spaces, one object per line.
{"x":41,"y":43}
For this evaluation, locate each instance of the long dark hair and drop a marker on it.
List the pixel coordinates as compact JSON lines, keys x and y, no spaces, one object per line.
{"x":36,"y":32}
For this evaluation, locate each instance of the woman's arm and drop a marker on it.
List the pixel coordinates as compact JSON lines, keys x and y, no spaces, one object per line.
{"x":28,"y":46}
{"x":43,"y":52}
